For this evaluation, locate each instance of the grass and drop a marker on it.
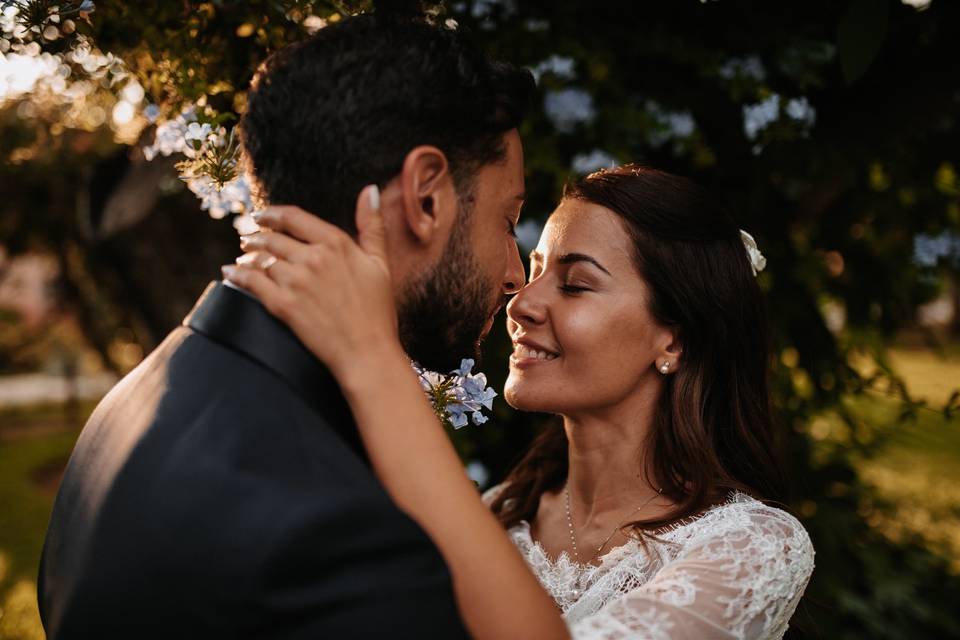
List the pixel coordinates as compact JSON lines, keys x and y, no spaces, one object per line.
{"x":916,"y":469}
{"x":29,"y":466}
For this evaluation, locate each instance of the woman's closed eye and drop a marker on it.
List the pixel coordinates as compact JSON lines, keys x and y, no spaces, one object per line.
{"x":573,"y":289}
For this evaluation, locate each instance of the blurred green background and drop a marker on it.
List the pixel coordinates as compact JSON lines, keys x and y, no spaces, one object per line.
{"x":830,"y":129}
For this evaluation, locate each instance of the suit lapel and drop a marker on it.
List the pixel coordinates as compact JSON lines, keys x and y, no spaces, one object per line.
{"x":240,"y":322}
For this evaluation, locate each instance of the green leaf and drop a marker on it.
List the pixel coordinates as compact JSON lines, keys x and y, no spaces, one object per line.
{"x":860,"y":36}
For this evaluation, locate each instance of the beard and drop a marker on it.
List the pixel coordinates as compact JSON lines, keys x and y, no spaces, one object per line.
{"x":443,"y":313}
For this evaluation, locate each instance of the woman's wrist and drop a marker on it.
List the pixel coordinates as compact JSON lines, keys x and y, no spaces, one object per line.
{"x":371,"y":367}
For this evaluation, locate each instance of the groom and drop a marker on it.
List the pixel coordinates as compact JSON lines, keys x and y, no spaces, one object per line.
{"x":220,"y":490}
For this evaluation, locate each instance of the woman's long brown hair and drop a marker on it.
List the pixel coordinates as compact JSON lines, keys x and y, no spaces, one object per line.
{"x":714,"y":430}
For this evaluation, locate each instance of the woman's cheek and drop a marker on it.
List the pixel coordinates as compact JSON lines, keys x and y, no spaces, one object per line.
{"x":583,"y":335}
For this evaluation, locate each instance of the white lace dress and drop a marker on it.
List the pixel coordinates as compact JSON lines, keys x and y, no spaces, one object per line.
{"x":736,"y":571}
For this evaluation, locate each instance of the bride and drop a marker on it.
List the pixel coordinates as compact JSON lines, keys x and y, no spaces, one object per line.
{"x":648,"y":513}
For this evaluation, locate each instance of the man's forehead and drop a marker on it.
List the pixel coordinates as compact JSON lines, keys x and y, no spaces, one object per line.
{"x":513,"y":157}
{"x":503,"y":179}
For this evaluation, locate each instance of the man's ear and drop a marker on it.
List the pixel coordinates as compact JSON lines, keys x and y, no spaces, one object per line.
{"x":427,"y":191}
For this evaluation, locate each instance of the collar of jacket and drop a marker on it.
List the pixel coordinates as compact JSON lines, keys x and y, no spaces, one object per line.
{"x":238,"y":321}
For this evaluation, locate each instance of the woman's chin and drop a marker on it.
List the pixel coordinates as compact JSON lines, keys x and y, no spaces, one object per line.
{"x":522,"y":398}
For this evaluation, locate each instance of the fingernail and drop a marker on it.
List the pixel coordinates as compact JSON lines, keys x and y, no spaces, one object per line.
{"x":374,"y":194}
{"x":252,"y":240}
{"x":228,"y":271}
{"x":246,"y":259}
{"x":257,"y":215}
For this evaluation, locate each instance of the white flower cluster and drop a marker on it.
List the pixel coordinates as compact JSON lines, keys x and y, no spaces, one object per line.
{"x":77,"y":81}
{"x":757,"y":117}
{"x":232,"y":197}
{"x":183,"y":134}
{"x":669,"y":124}
{"x":569,"y":107}
{"x":458,"y":393}
{"x":24,"y":24}
{"x":929,"y":250}
{"x":187,"y":136}
{"x":562,"y":67}
{"x":528,"y":234}
{"x":584,"y":163}
{"x":750,"y":67}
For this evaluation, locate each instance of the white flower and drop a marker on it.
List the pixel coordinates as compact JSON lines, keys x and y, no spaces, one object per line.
{"x":559,"y":66}
{"x":528,"y":234}
{"x":757,"y":117}
{"x":232,"y":197}
{"x":478,"y":472}
{"x":456,"y":394}
{"x":747,"y":67}
{"x":800,"y":110}
{"x":170,"y":137}
{"x":671,"y":125}
{"x":245,"y":225}
{"x":584,"y":163}
{"x":197,"y":131}
{"x":757,"y":261}
{"x":928,"y":249}
{"x":567,"y":108}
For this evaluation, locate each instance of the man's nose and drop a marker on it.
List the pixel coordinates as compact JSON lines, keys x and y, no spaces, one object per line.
{"x":514,"y":277}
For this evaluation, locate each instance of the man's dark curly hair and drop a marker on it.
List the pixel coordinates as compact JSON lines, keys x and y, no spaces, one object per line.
{"x":342,"y":109}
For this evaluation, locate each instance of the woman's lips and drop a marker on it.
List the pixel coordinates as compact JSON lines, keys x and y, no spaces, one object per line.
{"x":524,"y":357}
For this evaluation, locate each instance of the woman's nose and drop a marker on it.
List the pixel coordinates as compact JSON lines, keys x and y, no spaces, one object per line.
{"x":524,"y":308}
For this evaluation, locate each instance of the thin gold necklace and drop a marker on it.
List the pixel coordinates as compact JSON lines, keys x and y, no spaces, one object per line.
{"x":573,"y":536}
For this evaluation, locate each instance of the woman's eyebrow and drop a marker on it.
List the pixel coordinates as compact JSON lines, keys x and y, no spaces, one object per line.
{"x":570,"y":258}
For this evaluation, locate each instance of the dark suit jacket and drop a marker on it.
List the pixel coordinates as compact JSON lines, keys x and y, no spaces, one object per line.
{"x":220,"y":491}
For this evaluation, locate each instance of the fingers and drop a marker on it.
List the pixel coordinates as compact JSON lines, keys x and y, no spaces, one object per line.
{"x":298,"y":224}
{"x":256,"y":259}
{"x":371,"y":232}
{"x":257,"y":282}
{"x":282,"y":272}
{"x":277,"y":244}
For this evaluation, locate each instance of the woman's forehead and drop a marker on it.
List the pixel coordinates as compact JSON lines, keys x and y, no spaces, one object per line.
{"x":584,"y":227}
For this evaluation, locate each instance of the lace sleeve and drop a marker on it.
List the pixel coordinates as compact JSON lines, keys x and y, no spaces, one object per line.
{"x":740,"y":579}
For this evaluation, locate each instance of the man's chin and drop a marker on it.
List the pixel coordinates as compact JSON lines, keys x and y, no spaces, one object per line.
{"x":444,"y":358}
{"x":487,"y":328}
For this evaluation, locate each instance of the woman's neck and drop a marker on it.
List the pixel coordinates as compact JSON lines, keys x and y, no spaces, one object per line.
{"x":607,"y":457}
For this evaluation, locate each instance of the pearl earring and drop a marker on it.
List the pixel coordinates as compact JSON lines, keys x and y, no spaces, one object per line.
{"x":665,"y":368}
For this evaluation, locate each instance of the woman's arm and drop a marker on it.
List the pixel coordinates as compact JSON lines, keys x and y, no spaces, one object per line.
{"x":337,"y":297}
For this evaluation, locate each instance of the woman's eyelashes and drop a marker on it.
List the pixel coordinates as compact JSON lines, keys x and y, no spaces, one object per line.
{"x":569,"y":287}
{"x":573,"y":289}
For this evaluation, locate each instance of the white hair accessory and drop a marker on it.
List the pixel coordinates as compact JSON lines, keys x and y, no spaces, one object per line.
{"x":757,"y":261}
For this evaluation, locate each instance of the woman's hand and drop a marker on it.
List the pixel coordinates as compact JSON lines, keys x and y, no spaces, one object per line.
{"x":337,"y":297}
{"x":334,"y":293}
